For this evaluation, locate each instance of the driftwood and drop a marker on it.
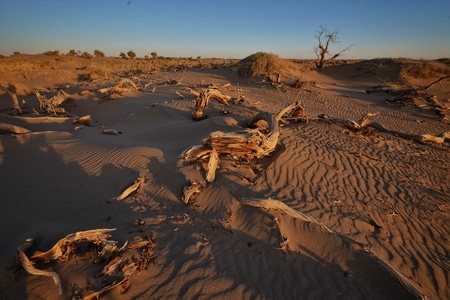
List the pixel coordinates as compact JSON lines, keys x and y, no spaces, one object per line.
{"x":247,"y":144}
{"x":29,"y":267}
{"x":13,"y":128}
{"x":64,"y":247}
{"x":190,"y":191}
{"x":111,"y":131}
{"x":120,"y":87}
{"x":119,"y":266}
{"x":53,"y":104}
{"x":203,"y":99}
{"x":84,"y":120}
{"x":366,"y":123}
{"x":132,"y":188}
{"x":278,"y":205}
{"x":123,"y":86}
{"x":292,"y":113}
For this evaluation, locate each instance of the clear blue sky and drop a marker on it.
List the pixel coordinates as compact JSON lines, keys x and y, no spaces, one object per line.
{"x":226,"y":28}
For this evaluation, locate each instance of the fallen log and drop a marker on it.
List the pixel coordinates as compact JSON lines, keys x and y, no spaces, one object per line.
{"x":203,"y":99}
{"x":13,"y":128}
{"x":295,"y":112}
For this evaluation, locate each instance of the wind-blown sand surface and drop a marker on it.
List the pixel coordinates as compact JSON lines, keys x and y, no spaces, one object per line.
{"x":381,"y":202}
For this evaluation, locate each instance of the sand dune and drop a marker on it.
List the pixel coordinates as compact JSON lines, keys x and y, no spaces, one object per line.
{"x":369,"y":215}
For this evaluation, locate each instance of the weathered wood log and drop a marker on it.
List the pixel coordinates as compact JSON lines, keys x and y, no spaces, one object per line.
{"x":13,"y":128}
{"x":295,"y":112}
{"x":278,"y":205}
{"x":64,"y":247}
{"x":247,"y":144}
{"x":137,"y":183}
{"x":120,"y":87}
{"x":203,"y":99}
{"x":366,"y":123}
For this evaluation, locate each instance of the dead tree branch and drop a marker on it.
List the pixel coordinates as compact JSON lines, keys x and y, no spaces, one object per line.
{"x":203,"y":99}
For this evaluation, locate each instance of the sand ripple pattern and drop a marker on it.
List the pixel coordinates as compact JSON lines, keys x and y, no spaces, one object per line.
{"x":352,"y":183}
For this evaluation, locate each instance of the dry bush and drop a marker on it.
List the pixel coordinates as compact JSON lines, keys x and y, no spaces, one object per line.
{"x":426,"y":70}
{"x":262,"y":63}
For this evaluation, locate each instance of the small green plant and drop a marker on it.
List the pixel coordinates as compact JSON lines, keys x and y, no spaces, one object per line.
{"x":16,"y":53}
{"x":72,"y":52}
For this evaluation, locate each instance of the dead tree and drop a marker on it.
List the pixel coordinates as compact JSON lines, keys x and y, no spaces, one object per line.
{"x":325,"y":38}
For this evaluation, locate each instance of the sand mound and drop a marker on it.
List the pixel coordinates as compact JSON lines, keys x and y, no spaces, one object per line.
{"x":266,"y":64}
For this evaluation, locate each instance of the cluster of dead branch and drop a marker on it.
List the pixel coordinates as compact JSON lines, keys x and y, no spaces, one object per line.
{"x":123,"y":86}
{"x":120,"y":262}
{"x":258,"y":141}
{"x":415,"y":96}
{"x":202,"y":100}
{"x":245,"y":145}
{"x":365,"y":124}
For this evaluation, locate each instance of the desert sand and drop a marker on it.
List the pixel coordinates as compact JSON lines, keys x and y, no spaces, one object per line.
{"x":335,"y":214}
